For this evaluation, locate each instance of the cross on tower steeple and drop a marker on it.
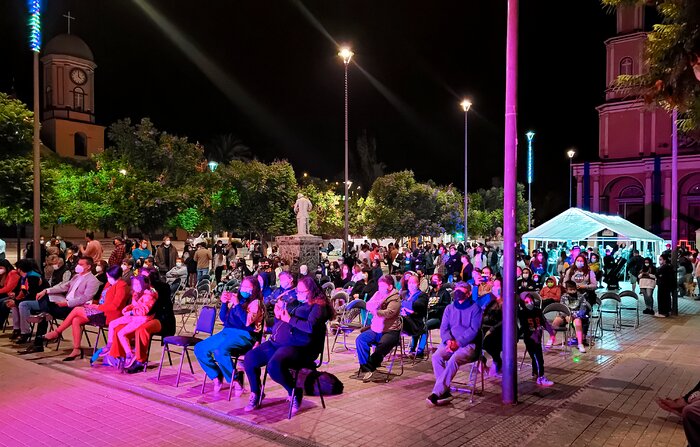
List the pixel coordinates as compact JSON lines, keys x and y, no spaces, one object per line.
{"x":69,"y":18}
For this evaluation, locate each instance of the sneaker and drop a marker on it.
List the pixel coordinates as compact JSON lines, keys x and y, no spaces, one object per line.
{"x":420,"y":355}
{"x":136,"y":367}
{"x":367,"y":376}
{"x":660,"y":316}
{"x":549,"y":344}
{"x":432,"y":400}
{"x":253,"y":402}
{"x":22,"y":339}
{"x":238,"y":384}
{"x":296,"y":400}
{"x":444,"y":398}
{"x":581,"y":348}
{"x":218,"y":383}
{"x":648,"y":312}
{"x":544,"y":381}
{"x":130,"y":360}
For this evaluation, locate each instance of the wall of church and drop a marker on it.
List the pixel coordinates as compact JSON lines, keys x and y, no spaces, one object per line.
{"x":633,"y":130}
{"x":60,"y":135}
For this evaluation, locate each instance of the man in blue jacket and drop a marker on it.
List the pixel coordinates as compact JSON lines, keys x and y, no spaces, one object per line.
{"x":460,"y":332}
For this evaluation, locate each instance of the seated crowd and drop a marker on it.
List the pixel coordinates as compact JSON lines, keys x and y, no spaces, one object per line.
{"x":455,"y":289}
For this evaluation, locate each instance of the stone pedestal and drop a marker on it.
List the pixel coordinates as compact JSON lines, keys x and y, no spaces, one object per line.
{"x":299,"y":249}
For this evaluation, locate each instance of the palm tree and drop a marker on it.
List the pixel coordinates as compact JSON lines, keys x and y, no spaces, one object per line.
{"x":227,"y":147}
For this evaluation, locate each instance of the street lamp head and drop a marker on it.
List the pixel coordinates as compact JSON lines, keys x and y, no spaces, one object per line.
{"x":122,"y":171}
{"x":306,"y":174}
{"x":346,"y":53}
{"x":571,"y":153}
{"x":466,"y":104}
{"x":213,"y":165}
{"x":530,"y":135}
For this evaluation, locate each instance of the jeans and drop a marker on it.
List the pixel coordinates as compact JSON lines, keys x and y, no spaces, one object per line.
{"x":535,"y":351}
{"x":420,"y":340}
{"x":25,"y":310}
{"x":446,"y":364}
{"x":279,"y":360}
{"x":201,"y":272}
{"x":385,"y":342}
{"x":214,"y":353}
{"x":648,"y":295}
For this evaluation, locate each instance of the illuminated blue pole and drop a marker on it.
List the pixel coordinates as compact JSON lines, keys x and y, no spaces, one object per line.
{"x":35,"y":46}
{"x":530,"y":175}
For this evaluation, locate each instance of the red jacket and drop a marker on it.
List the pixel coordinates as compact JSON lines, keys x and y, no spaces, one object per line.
{"x":552,"y":293}
{"x":11,"y":282}
{"x":116,"y":297}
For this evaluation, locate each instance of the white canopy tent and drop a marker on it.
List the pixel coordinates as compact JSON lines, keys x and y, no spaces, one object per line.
{"x":576,"y":226}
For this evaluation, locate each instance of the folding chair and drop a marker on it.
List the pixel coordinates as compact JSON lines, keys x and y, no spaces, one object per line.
{"x":635,"y":308}
{"x":205,"y":323}
{"x":346,"y":322}
{"x":99,"y":330}
{"x":535,"y":297}
{"x":187,"y":306}
{"x":550,"y":312}
{"x":609,"y":304}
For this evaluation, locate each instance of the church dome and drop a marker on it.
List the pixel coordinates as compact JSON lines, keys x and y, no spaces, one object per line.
{"x":70,"y":45}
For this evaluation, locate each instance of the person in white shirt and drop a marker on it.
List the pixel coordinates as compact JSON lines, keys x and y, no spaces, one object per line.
{"x":2,"y":249}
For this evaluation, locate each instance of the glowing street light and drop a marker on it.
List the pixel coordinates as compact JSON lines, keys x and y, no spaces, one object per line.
{"x":306,"y":174}
{"x":530,"y":168}
{"x":466,"y":105}
{"x":346,"y":54}
{"x":571,"y":153}
{"x":213,"y":165}
{"x":122,"y":171}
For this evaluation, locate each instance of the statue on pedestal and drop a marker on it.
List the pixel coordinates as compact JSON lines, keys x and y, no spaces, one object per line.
{"x":302,"y":207}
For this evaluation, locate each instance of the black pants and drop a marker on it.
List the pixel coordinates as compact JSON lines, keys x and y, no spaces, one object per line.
{"x":493,"y":343}
{"x":57,"y":312}
{"x":279,"y":360}
{"x":217,"y":273}
{"x":664,"y":300}
{"x":535,"y":351}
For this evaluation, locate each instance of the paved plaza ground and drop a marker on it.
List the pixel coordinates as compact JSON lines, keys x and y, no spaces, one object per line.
{"x":602,"y":398}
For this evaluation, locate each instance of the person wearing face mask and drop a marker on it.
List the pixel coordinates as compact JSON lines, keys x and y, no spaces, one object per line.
{"x":550,"y":292}
{"x":127,"y":267}
{"x":242,"y":316}
{"x":141,"y":252}
{"x":297,"y":339}
{"x":166,"y":256}
{"x":179,"y":270}
{"x":647,"y":284}
{"x":525,"y":282}
{"x":285,"y":292}
{"x":414,"y":309}
{"x":532,"y":325}
{"x":385,"y":328}
{"x":111,"y":302}
{"x":59,"y":301}
{"x":133,"y":315}
{"x":56,"y":270}
{"x":9,"y":286}
{"x":584,"y":278}
{"x":92,"y":248}
{"x":118,"y":253}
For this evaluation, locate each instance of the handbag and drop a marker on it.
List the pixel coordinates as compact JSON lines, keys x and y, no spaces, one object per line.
{"x":95,"y":316}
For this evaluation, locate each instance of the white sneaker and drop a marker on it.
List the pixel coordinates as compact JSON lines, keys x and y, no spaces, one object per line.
{"x":544,"y":381}
{"x":660,"y":315}
{"x":581,"y":348}
{"x":218,"y":383}
{"x":549,"y":344}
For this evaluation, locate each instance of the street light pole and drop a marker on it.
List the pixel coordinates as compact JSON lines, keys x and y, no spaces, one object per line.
{"x":466,"y":104}
{"x":674,"y":205}
{"x":346,"y":54}
{"x":571,"y":153}
{"x":530,"y":168}
{"x":35,"y":46}
{"x":509,"y":384}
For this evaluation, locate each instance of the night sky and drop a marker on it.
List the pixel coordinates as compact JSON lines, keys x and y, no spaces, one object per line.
{"x":269,"y":75}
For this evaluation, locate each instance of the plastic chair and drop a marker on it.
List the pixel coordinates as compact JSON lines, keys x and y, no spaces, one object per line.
{"x":205,"y":323}
{"x":630,"y":294}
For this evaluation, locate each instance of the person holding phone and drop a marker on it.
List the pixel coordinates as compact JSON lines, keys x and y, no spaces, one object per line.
{"x":242,"y":315}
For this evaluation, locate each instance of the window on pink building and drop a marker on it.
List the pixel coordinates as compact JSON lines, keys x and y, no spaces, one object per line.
{"x":626,"y":66}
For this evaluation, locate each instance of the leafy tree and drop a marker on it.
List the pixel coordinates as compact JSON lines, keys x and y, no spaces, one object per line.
{"x":227,"y":147}
{"x":16,"y":127}
{"x":327,"y":217}
{"x":400,"y":207}
{"x":257,"y":197}
{"x":486,"y":211}
{"x":673,"y":59}
{"x":367,"y":165}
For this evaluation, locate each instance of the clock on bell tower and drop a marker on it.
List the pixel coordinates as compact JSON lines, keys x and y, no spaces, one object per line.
{"x":68,"y":113}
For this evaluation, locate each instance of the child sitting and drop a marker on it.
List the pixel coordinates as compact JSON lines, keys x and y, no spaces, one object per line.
{"x":532,"y":324}
{"x":551,"y":292}
{"x":580,"y":313}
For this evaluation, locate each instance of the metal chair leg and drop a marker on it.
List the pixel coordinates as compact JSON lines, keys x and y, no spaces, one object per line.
{"x":189,"y":361}
{"x":162,"y":357}
{"x":179,"y":370}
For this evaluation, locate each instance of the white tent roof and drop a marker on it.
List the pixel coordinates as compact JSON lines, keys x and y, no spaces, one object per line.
{"x":576,"y":224}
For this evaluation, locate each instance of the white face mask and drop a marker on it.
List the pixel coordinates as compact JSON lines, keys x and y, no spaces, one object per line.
{"x":579,"y":264}
{"x":98,"y":269}
{"x":167,"y":243}
{"x":79,"y":269}
{"x":179,"y":264}
{"x":111,"y":280}
{"x":144,"y":246}
{"x":2,"y":271}
{"x":125,"y":267}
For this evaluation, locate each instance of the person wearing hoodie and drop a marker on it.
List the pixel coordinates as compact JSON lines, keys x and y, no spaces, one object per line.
{"x":647,"y":284}
{"x":460,"y":332}
{"x":385,"y":329}
{"x":525,"y":282}
{"x":532,"y":325}
{"x":550,"y":292}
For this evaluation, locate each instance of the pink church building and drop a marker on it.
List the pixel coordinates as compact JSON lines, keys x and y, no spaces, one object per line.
{"x":632,"y":177}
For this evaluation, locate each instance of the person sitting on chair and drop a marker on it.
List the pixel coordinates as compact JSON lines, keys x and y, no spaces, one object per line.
{"x":242,"y":315}
{"x":414,"y":309}
{"x":460,"y":332}
{"x":575,"y":300}
{"x":296,"y":341}
{"x":385,"y":328}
